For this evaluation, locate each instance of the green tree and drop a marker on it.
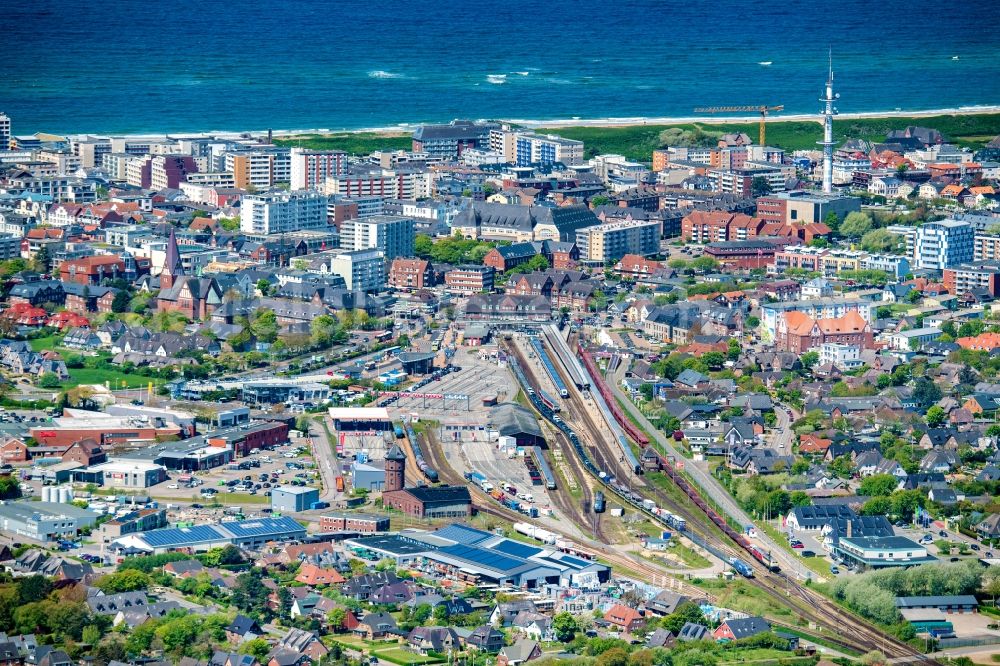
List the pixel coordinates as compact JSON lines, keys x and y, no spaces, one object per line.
{"x":322,"y":329}
{"x":799,"y":498}
{"x":49,"y":380}
{"x":935,"y":416}
{"x":121,"y":301}
{"x":856,"y":224}
{"x":264,"y":325}
{"x":760,"y":186}
{"x":926,"y":392}
{"x":599,"y":200}
{"x":877,"y":506}
{"x":422,"y":246}
{"x":129,"y":580}
{"x":42,"y":260}
{"x":878,"y":485}
{"x":91,"y":634}
{"x":565,"y":627}
{"x":880,"y":241}
{"x":338,"y":616}
{"x":259,"y":647}
{"x":686,"y":612}
{"x":809,"y":359}
{"x":704,"y":263}
{"x":616,"y":656}
{"x":33,"y":588}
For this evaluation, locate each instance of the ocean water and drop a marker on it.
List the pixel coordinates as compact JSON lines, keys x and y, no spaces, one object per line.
{"x":140,"y":66}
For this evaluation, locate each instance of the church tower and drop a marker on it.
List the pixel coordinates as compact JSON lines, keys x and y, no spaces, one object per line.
{"x":395,"y":469}
{"x":172,"y":268}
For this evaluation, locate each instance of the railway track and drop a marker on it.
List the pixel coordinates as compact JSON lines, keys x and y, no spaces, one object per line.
{"x":482,"y":503}
{"x":579,"y":512}
{"x":810,"y":605}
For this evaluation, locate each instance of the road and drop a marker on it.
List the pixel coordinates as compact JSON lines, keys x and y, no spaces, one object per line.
{"x":709,"y":484}
{"x":326,"y":460}
{"x":783,"y":437}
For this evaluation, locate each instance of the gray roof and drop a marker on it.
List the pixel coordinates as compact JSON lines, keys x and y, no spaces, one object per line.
{"x":511,"y":419}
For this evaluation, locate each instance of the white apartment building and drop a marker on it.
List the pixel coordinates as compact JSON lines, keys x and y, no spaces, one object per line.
{"x":277,"y":212}
{"x":939,"y":245}
{"x":4,"y":131}
{"x":311,"y":168}
{"x":841,"y":356}
{"x":362,"y":270}
{"x":392,"y":235}
{"x":387,"y":183}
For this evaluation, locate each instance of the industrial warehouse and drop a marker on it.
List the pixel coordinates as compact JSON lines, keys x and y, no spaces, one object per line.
{"x":476,"y":556}
{"x":250,"y":534}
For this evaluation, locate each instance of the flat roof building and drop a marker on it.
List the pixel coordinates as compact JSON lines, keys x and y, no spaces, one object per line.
{"x":882,"y":552}
{"x":44,"y":521}
{"x":292,"y":499}
{"x":250,"y":534}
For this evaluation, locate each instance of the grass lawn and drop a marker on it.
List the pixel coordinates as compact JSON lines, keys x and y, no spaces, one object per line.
{"x":400,"y":656}
{"x":638,"y":142}
{"x":113,"y":377}
{"x":740,"y":595}
{"x":740,"y":655}
{"x":46,"y":343}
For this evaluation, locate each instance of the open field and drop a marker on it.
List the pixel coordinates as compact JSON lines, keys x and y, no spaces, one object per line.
{"x":114,"y":378}
{"x":637,"y":142}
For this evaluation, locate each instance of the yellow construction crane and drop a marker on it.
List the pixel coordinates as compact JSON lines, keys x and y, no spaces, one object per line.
{"x":762,"y":109}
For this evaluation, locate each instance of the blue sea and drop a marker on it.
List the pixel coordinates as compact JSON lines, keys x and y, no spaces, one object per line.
{"x":145,"y":66}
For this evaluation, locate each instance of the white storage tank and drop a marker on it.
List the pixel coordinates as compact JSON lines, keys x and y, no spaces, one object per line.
{"x":64,"y":495}
{"x":47,"y":493}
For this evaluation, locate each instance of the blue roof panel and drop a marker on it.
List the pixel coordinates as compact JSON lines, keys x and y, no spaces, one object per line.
{"x":463,"y":534}
{"x":516,"y":548}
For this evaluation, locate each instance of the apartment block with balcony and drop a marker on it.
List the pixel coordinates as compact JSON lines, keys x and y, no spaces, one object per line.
{"x":278,"y":212}
{"x":311,"y":168}
{"x":942,"y":244}
{"x":467,"y":280}
{"x":603,"y":243}
{"x":393,"y":235}
{"x":968,"y":277}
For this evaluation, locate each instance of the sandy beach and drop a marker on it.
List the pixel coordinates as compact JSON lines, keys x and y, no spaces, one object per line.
{"x":403,"y":129}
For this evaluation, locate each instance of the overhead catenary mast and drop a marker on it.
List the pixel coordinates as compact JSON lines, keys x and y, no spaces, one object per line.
{"x":829,"y":111}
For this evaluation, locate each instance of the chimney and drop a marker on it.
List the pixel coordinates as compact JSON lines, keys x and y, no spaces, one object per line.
{"x":850,"y":525}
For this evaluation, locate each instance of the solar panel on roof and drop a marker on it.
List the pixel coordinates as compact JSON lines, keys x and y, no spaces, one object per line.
{"x":462,"y":534}
{"x":483,"y":557}
{"x":516,"y":548}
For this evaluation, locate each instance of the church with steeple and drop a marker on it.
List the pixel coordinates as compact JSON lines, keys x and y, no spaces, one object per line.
{"x":192,"y":296}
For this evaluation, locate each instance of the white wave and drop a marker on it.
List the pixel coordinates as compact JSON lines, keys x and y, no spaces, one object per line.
{"x":382,"y":74}
{"x":497,"y":79}
{"x":764,"y":63}
{"x":522,"y":73}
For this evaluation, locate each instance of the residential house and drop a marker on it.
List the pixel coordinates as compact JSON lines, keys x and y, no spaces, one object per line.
{"x":376,"y":625}
{"x":243,"y":629}
{"x":735,"y":629}
{"x":485,"y":639}
{"x":626,"y":618}
{"x":522,"y":651}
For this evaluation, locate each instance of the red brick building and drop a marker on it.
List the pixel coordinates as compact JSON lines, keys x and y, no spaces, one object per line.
{"x":624,"y":617}
{"x":91,"y":270}
{"x":87,"y":452}
{"x":243,"y":439}
{"x":469,"y":279}
{"x":798,"y":332}
{"x":410,"y":274}
{"x":423,"y":501}
{"x":13,"y":450}
{"x":344,"y":522}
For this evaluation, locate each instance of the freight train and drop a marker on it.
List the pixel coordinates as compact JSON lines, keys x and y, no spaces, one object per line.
{"x":418,"y":456}
{"x":629,"y":496}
